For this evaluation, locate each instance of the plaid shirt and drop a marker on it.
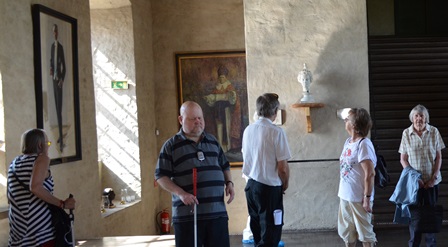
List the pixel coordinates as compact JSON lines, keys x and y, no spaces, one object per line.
{"x":422,"y":150}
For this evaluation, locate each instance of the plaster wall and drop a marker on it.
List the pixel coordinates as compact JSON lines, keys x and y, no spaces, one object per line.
{"x":127,"y":148}
{"x":3,"y":199}
{"x":82,"y":177}
{"x":17,"y":68}
{"x":192,"y":26}
{"x":116,"y":109}
{"x":116,"y":112}
{"x":146,"y":102}
{"x":278,"y":36}
{"x":331,"y":38}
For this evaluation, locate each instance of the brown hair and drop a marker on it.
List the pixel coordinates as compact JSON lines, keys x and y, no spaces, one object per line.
{"x":361,"y":120}
{"x":267,"y":105}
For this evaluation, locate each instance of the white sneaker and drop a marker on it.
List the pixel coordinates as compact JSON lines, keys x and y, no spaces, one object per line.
{"x":248,"y":238}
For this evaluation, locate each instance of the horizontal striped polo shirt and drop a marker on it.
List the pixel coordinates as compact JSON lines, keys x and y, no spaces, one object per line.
{"x":178,"y":157}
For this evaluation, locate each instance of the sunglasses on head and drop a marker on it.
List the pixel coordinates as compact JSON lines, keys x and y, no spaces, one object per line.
{"x":273,"y":95}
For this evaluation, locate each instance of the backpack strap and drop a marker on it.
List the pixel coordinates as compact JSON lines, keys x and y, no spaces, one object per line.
{"x":359,"y":143}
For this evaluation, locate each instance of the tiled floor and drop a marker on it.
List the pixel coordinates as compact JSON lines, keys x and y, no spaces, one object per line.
{"x":387,"y":237}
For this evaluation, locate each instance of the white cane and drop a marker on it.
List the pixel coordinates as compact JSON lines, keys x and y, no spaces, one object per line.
{"x":195,"y":208}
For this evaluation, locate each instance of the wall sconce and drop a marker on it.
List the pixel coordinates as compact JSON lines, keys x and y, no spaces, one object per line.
{"x":278,"y":120}
{"x":343,"y":113}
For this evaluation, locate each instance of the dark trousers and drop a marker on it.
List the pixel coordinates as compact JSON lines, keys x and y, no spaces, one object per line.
{"x":262,"y":200}
{"x":424,"y":197}
{"x":211,"y":233}
{"x":58,"y":102}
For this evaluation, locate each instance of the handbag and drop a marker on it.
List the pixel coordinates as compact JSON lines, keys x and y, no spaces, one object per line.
{"x":62,"y":226}
{"x":427,"y":218}
{"x":60,"y":219}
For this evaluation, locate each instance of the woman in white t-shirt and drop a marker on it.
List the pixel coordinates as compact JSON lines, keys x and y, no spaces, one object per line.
{"x":356,"y":186}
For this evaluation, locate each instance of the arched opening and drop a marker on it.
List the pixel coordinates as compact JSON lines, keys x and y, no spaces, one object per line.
{"x":116,"y":106}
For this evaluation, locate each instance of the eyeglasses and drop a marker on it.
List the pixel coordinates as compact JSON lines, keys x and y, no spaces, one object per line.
{"x":49,"y":143}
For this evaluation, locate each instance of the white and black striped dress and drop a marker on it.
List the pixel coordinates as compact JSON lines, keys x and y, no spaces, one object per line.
{"x":29,"y":217}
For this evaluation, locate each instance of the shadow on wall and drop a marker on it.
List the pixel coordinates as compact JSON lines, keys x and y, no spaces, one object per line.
{"x":342,"y":67}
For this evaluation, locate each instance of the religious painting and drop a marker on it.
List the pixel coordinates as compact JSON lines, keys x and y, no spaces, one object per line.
{"x":56,"y":82}
{"x":217,"y":82}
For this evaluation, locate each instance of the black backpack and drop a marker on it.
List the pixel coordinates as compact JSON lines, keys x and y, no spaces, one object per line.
{"x":382,"y":178}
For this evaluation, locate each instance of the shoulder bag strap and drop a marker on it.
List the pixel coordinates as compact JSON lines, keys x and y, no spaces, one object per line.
{"x":13,"y":168}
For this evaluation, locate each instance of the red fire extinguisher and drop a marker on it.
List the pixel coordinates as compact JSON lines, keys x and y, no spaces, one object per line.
{"x":164,"y":221}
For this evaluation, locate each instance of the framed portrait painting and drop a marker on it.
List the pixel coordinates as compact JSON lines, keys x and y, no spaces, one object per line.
{"x":217,"y":82}
{"x":56,"y":82}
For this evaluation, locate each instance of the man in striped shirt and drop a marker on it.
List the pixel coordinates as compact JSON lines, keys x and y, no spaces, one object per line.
{"x":192,"y":148}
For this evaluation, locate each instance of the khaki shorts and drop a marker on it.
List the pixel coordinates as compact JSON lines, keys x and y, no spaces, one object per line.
{"x":355,"y":223}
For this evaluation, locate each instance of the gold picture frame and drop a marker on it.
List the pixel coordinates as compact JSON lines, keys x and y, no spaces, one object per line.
{"x":217,"y":82}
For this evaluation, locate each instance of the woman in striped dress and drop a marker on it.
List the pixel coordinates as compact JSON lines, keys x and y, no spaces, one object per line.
{"x":30,"y":190}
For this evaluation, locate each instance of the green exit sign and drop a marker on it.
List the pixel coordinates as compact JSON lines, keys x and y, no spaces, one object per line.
{"x":119,"y":85}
